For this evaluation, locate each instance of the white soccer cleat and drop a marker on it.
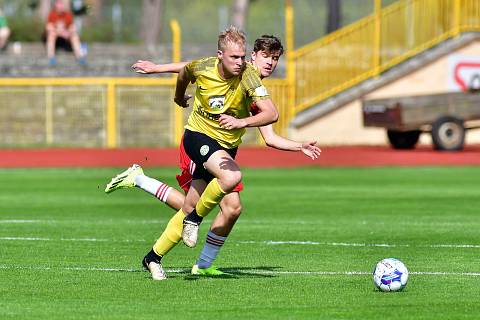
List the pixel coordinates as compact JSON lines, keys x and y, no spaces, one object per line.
{"x":190,"y":233}
{"x":126,"y":179}
{"x":156,"y":270}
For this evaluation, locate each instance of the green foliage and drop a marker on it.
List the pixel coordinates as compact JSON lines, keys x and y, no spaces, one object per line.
{"x":102,"y":32}
{"x":26,"y":28}
{"x":201,"y":21}
{"x":80,"y":257}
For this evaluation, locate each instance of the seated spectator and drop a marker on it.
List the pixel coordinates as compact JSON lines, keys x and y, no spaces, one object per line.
{"x":4,"y":31}
{"x":60,"y":32}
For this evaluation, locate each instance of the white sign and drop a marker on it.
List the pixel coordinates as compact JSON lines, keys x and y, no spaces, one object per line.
{"x":463,"y":72}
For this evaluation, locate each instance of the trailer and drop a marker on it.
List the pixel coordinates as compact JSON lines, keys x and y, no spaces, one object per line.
{"x":446,"y":116}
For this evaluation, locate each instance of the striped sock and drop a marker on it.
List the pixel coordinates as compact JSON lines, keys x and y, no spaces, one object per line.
{"x":159,"y":189}
{"x":210,"y":250}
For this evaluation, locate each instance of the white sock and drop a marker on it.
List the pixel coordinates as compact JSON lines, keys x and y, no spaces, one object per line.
{"x":210,"y":250}
{"x":159,"y":189}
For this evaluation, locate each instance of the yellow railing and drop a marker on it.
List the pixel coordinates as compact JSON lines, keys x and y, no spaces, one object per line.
{"x":376,"y":43}
{"x":124,"y":112}
{"x":101,"y":112}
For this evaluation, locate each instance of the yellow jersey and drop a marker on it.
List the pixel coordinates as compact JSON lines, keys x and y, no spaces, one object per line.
{"x":215,"y":96}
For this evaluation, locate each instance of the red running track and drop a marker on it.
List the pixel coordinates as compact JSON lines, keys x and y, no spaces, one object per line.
{"x":247,"y":157}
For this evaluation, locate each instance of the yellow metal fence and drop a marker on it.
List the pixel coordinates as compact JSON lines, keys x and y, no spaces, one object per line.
{"x":100,"y":112}
{"x":376,"y":43}
{"x":126,"y":112}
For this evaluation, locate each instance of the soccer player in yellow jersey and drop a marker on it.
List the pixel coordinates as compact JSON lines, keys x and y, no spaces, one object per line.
{"x":214,"y":130}
{"x":265,"y":56}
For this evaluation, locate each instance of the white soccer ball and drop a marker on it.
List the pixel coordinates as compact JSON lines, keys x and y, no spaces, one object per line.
{"x":390,"y":275}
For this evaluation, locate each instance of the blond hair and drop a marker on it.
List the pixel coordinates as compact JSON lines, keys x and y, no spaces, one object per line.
{"x":231,"y":35}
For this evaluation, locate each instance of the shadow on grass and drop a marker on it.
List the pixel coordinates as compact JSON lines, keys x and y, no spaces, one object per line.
{"x":230,"y":273}
{"x":239,"y":273}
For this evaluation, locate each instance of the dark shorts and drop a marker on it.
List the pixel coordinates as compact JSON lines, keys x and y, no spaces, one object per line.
{"x":199,"y":147}
{"x":60,"y":43}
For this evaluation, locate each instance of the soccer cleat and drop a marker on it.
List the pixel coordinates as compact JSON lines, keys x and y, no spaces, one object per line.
{"x":155,"y":268}
{"x":190,"y":233}
{"x":208,"y":272}
{"x":126,"y":179}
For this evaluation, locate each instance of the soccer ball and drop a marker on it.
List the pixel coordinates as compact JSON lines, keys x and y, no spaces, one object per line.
{"x":390,"y":275}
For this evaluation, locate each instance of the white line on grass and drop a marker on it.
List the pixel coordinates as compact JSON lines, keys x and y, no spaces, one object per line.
{"x":246,"y":222}
{"x":353,"y":244}
{"x":68,"y":239}
{"x":72,"y":221}
{"x":234,"y":271}
{"x":267,"y":242}
{"x":21,"y":221}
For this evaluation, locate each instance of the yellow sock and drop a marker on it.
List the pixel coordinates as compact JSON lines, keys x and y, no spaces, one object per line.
{"x":171,"y":235}
{"x":212,"y":196}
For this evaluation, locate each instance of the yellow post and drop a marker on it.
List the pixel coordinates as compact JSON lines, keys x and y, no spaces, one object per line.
{"x":111,"y":115}
{"x":176,"y":37}
{"x":377,"y":37}
{"x":48,"y":115}
{"x":290,"y":44}
{"x":456,"y":18}
{"x":176,"y":56}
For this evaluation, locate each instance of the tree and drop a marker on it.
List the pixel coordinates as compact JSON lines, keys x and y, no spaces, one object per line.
{"x":240,"y":13}
{"x":151,"y":23}
{"x":334,"y":12}
{"x":43,"y":8}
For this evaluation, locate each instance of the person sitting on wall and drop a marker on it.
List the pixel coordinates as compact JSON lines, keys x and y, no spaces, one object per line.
{"x":61,"y":32}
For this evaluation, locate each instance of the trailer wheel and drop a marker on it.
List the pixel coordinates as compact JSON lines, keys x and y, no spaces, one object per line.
{"x":403,"y":139}
{"x":448,"y":133}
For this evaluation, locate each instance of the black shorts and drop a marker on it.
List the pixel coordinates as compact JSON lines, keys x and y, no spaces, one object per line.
{"x":60,"y":43}
{"x":199,"y":147}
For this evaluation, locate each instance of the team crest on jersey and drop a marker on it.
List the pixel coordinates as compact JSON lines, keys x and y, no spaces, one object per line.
{"x":204,"y":150}
{"x":216,"y":102}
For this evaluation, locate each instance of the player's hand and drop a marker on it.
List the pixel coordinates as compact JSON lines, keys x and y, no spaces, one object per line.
{"x":311,"y":150}
{"x":229,"y":122}
{"x":143,"y":66}
{"x":183,"y":102}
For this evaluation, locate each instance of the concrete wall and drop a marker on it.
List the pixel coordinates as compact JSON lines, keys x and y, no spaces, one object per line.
{"x":344,"y":126}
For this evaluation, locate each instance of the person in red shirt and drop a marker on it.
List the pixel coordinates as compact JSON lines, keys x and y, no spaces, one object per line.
{"x":60,"y":30}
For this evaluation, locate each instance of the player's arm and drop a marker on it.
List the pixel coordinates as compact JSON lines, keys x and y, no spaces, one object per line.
{"x":148,"y":67}
{"x":254,"y":88}
{"x":267,"y":114}
{"x":278,"y":142}
{"x":183,"y":79}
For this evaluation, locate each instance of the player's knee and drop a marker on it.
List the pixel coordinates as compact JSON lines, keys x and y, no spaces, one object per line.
{"x":231,"y":180}
{"x":51,"y":34}
{"x":188,"y":206}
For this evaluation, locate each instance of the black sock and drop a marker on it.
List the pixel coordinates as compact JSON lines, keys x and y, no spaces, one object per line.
{"x":194,"y":217}
{"x":152,"y":256}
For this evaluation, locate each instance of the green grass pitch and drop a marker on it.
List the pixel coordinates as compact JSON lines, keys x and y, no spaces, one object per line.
{"x":303,"y":248}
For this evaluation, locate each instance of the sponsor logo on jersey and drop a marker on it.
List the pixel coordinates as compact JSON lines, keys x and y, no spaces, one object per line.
{"x":207,"y":115}
{"x":216,"y":102}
